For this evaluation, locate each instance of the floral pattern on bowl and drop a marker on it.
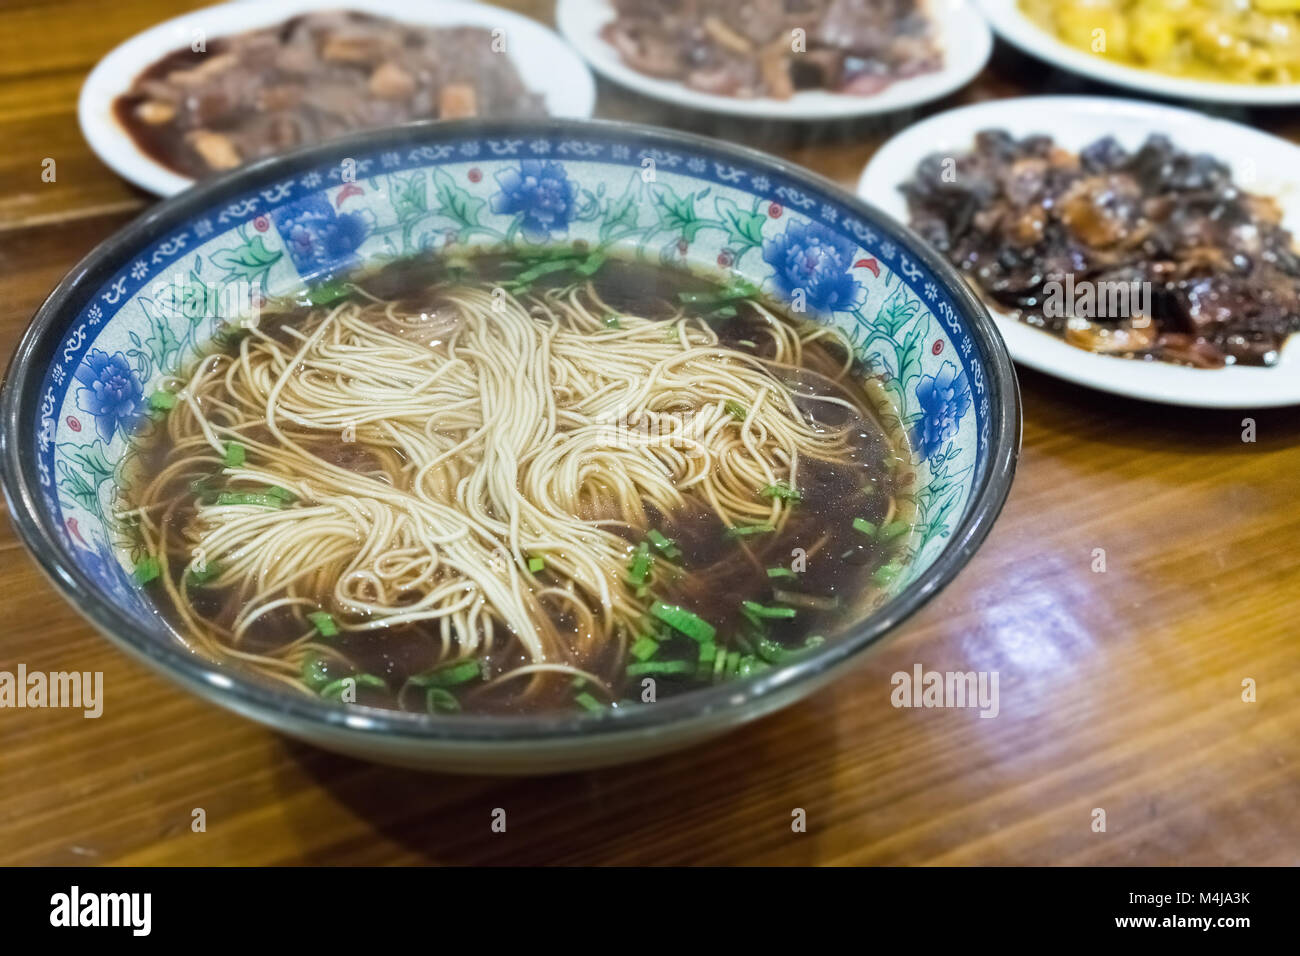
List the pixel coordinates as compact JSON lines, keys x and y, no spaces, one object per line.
{"x":681,"y":208}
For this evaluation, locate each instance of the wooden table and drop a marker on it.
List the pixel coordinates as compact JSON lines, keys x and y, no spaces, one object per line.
{"x":1120,"y":690}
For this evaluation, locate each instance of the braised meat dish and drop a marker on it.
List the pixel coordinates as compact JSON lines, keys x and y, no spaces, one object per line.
{"x":752,"y":48}
{"x":311,"y":78}
{"x":1153,"y":253}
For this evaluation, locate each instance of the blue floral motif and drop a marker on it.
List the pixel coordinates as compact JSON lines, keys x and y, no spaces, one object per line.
{"x":810,"y":258}
{"x":319,"y":239}
{"x":111,"y":392}
{"x":540,"y":193}
{"x":943,"y":399}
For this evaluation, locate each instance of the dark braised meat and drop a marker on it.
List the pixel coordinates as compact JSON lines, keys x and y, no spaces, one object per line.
{"x":749,"y":48}
{"x":311,"y":78}
{"x":1152,"y":254}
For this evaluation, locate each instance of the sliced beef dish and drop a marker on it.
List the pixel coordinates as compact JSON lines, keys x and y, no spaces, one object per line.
{"x":750,"y":48}
{"x":1208,"y":274}
{"x":311,"y":78}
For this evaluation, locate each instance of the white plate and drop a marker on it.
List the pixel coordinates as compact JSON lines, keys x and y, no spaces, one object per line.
{"x":1261,"y":163}
{"x":546,"y":64}
{"x":1013,"y":26}
{"x":964,"y":35}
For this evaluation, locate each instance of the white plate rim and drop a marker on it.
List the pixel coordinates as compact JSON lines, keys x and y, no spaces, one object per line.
{"x":565,"y":81}
{"x":1012,"y":25}
{"x":1077,"y":120}
{"x":579,"y":22}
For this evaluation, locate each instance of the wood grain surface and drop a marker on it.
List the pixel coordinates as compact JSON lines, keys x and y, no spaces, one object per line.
{"x":1120,"y":690}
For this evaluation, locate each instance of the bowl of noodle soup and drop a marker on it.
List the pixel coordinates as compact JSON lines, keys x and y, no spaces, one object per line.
{"x":507,"y":447}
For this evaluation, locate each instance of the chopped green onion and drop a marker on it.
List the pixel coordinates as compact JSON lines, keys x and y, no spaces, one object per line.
{"x":250,"y":498}
{"x":536,"y":564}
{"x":780,"y":573}
{"x":708,"y":650}
{"x":449,"y":675}
{"x":659,"y":667}
{"x":733,"y":662}
{"x":327,"y":292}
{"x":689,"y":623}
{"x":643,"y":648}
{"x":865,"y":526}
{"x":664,"y":543}
{"x":324,"y":623}
{"x":612,"y":322}
{"x":736,"y":410}
{"x":439,"y":700}
{"x":591,"y":265}
{"x":210,"y":572}
{"x":817,"y":602}
{"x":588,"y":702}
{"x":314,"y":674}
{"x":335,"y":688}
{"x":744,"y":531}
{"x":235,"y":454}
{"x":894,"y":529}
{"x":781,"y":490}
{"x":146,"y":569}
{"x":750,"y":665}
{"x":162,"y":400}
{"x":640,"y":567}
{"x":886,"y":573}
{"x":761,"y":610}
{"x":284,"y":494}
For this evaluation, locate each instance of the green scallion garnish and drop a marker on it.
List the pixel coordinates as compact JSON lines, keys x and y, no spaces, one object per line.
{"x":146,"y":569}
{"x":449,"y":675}
{"x":536,"y":564}
{"x":162,"y":400}
{"x":886,"y":573}
{"x":314,"y":673}
{"x":660,"y":667}
{"x":250,"y":498}
{"x":745,"y":531}
{"x":640,"y":566}
{"x":210,"y":571}
{"x":324,"y":623}
{"x":781,"y":490}
{"x":439,"y":700}
{"x":235,"y":454}
{"x":680,"y":619}
{"x":664,"y":544}
{"x":865,"y":526}
{"x":643,"y":648}
{"x":893,"y":530}
{"x":763,"y":611}
{"x":737,"y":411}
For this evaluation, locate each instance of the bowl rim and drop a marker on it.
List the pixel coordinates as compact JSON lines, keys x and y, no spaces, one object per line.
{"x":229,"y":687}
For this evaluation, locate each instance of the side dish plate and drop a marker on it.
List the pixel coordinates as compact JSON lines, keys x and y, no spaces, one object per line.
{"x":1260,"y":163}
{"x":546,"y":64}
{"x":1011,"y":24}
{"x":964,"y":36}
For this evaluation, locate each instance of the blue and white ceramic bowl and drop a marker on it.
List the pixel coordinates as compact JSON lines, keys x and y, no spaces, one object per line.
{"x":77,"y":384}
